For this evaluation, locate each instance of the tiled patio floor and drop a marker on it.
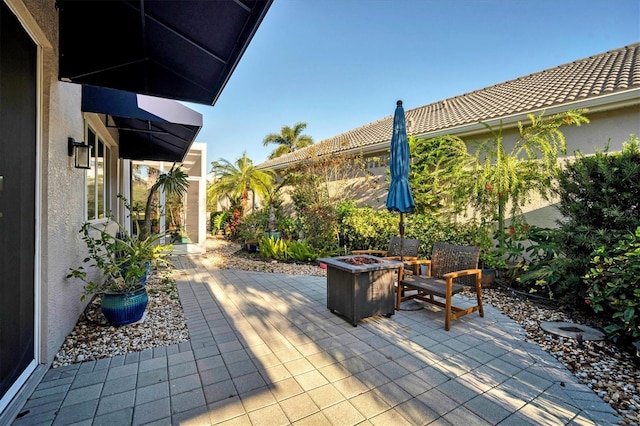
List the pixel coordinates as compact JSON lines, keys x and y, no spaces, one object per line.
{"x":265,"y":350}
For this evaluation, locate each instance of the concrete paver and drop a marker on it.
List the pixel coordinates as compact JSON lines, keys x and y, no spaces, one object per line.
{"x":264,"y":349}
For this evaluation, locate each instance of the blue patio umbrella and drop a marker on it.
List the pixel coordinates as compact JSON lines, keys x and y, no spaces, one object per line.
{"x":399,"y":198}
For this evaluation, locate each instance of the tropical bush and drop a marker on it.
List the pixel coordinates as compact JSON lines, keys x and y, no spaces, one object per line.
{"x":600,"y":199}
{"x":273,"y":248}
{"x":614,"y":287}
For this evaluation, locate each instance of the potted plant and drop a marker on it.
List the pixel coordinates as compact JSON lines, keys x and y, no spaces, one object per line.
{"x":123,"y":261}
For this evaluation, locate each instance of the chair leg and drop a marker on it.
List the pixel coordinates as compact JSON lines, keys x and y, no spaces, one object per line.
{"x":479,"y":294}
{"x":447,"y":309}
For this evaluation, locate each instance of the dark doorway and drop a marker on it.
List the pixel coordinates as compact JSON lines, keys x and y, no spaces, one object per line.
{"x":18,"y":103}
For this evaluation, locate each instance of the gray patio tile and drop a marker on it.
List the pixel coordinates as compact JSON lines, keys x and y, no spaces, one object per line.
{"x":57,"y":382}
{"x":102,"y":364}
{"x":180,"y":357}
{"x":120,"y":417}
{"x":153,"y":376}
{"x":44,"y":418}
{"x":132,"y":358}
{"x":55,"y":390}
{"x":390,"y":417}
{"x":122,"y":384}
{"x":298,"y":407}
{"x":181,"y":370}
{"x":249,"y":382}
{"x":459,"y":391}
{"x":187,"y":401}
{"x":205,"y":352}
{"x":122,"y":371}
{"x":463,"y":416}
{"x":241,"y":368}
{"x":160,"y":352}
{"x":417,"y":412}
{"x":75,"y":413}
{"x":76,"y":396}
{"x":369,"y":404}
{"x":152,"y":392}
{"x":152,"y":364}
{"x":214,"y":375}
{"x":116,"y":402}
{"x":487,"y":409}
{"x":272,"y":412}
{"x":197,"y":416}
{"x":343,"y":413}
{"x":220,"y":391}
{"x":392,"y":394}
{"x":150,"y":411}
{"x":256,"y":399}
{"x":184,"y":384}
{"x":438,"y":402}
{"x":145,"y":355}
{"x":117,"y":361}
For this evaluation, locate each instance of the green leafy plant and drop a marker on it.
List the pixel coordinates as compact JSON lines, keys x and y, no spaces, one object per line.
{"x":273,"y":248}
{"x":615,"y":288}
{"x":600,"y":201}
{"x":302,"y":252}
{"x":121,"y":258}
{"x":504,"y":178}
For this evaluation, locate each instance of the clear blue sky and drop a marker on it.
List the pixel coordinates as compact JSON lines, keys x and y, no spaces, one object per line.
{"x":340,"y":64}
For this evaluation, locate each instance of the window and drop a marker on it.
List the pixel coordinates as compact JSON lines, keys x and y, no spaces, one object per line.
{"x":98,"y":177}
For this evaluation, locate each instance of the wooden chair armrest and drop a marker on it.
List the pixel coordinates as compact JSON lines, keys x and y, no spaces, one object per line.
{"x":463,"y":273}
{"x":403,"y":258}
{"x":415,"y":264}
{"x":372,"y":252}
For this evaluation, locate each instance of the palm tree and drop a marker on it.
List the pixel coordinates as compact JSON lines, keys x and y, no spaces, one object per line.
{"x":175,"y":181}
{"x":289,"y":140}
{"x":235,"y":180}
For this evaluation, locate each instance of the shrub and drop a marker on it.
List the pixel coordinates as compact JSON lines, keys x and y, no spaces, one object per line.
{"x":614,"y":287}
{"x":600,"y":197}
{"x":301,"y":251}
{"x":274,"y":248}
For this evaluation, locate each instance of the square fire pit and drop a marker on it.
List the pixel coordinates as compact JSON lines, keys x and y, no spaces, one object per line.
{"x":360,"y":286}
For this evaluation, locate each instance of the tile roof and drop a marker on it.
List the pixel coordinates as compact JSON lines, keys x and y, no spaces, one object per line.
{"x":611,"y":72}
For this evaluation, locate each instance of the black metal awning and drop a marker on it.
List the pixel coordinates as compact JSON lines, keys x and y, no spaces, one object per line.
{"x":149,"y":128}
{"x":184,"y":50}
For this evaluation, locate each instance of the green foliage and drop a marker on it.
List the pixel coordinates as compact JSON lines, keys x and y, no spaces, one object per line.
{"x":301,"y":251}
{"x":218,"y":220}
{"x":252,"y":227}
{"x":365,"y":228}
{"x":174,"y":182}
{"x":437,"y":165}
{"x":505,"y":178}
{"x":121,"y":258}
{"x":274,"y":248}
{"x":539,"y":261}
{"x":289,"y":139}
{"x":600,"y":197}
{"x":614,"y":287}
{"x":320,"y":228}
{"x":235,"y":180}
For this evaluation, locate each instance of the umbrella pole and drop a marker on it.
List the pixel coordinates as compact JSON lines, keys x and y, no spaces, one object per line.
{"x":401,"y":237}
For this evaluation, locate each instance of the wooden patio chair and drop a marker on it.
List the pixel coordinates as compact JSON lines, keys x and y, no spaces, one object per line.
{"x":448,"y":263}
{"x":410,"y":249}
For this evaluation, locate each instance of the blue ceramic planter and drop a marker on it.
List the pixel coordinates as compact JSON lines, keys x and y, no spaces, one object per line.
{"x":124,"y":308}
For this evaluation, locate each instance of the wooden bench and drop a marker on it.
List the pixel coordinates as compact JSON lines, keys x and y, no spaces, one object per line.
{"x":448,"y":262}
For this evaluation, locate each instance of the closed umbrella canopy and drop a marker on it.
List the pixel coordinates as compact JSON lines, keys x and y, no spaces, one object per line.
{"x":399,"y":198}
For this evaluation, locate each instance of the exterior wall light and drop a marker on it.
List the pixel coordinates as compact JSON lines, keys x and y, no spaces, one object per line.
{"x":81,"y":153}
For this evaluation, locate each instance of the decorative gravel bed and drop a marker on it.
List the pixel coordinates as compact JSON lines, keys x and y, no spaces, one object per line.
{"x":612,"y":372}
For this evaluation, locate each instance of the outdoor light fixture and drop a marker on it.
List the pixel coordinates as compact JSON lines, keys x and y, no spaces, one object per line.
{"x":81,"y":153}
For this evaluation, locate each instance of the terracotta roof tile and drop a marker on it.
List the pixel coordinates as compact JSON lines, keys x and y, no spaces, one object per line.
{"x":610,"y":72}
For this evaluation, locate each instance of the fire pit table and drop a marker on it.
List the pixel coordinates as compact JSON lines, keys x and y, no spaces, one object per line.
{"x":360,"y":286}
